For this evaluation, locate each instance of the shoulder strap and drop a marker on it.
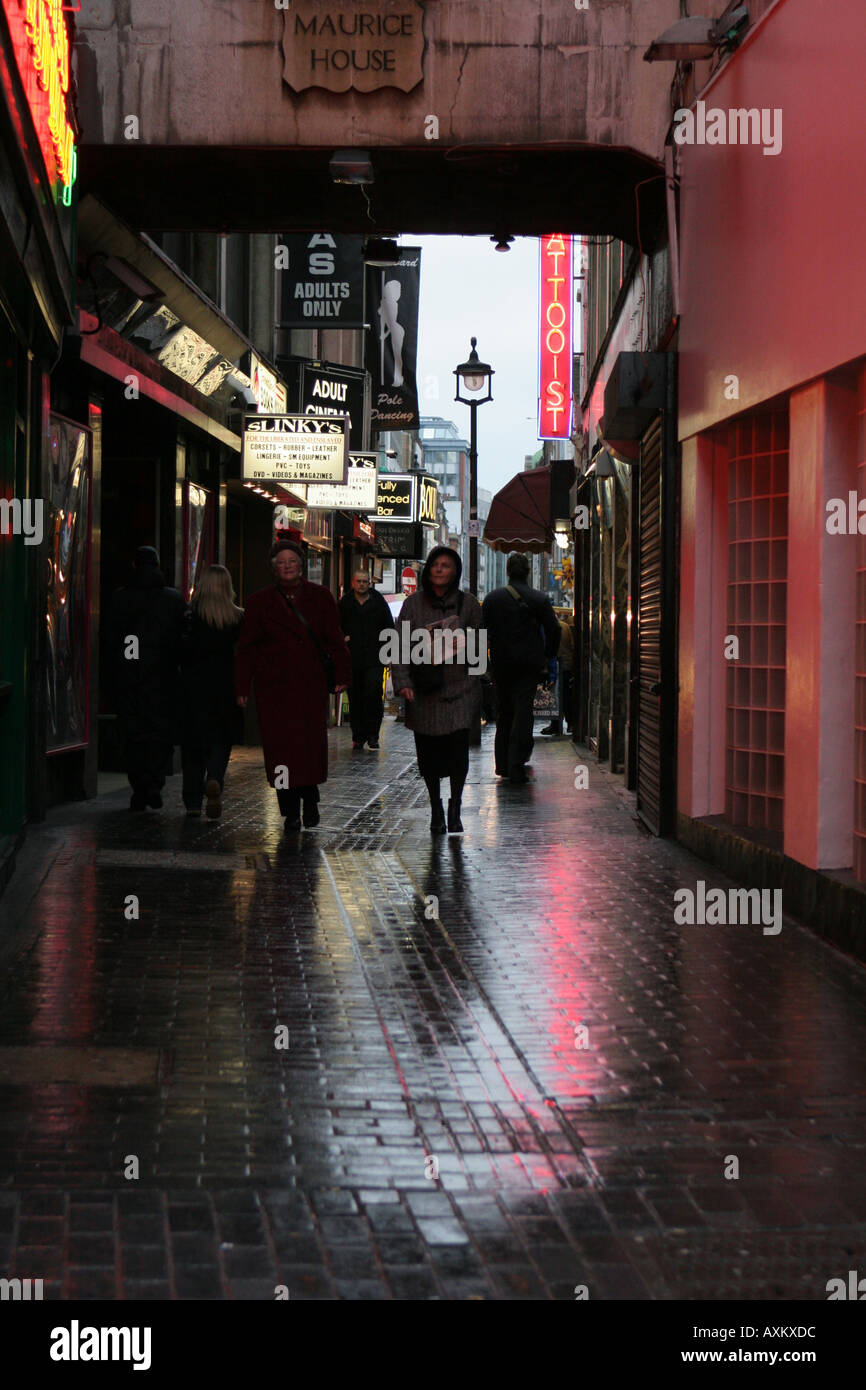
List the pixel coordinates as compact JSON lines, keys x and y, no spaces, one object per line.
{"x":518,"y":598}
{"x":302,"y":620}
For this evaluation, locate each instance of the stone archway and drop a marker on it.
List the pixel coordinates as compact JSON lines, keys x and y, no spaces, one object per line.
{"x":479,"y":118}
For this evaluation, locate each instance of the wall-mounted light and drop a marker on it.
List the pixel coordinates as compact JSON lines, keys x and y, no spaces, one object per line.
{"x":695,"y":37}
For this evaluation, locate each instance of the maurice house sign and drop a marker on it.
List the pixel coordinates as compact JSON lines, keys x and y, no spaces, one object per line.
{"x":296,"y":448}
{"x":371,"y":44}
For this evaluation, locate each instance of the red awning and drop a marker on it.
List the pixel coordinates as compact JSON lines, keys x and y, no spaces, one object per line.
{"x":519,"y":516}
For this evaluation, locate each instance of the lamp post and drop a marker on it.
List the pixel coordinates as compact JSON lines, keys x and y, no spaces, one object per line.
{"x":475,"y":377}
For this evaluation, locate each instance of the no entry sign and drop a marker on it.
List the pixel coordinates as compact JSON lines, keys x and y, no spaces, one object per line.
{"x":410,"y":580}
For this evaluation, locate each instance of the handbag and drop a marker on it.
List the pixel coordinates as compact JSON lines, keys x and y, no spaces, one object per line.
{"x":429,"y":677}
{"x":325,"y":657}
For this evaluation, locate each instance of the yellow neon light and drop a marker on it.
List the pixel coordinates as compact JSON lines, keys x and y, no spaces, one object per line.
{"x":49,"y":52}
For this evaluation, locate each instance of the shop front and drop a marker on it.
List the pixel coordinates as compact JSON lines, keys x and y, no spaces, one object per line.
{"x":41,"y":465}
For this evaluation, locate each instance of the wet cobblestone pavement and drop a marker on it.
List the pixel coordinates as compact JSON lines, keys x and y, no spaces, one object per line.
{"x":432,"y":992}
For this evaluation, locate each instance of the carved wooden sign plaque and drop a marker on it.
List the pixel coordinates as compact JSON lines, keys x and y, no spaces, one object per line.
{"x":367,"y":45}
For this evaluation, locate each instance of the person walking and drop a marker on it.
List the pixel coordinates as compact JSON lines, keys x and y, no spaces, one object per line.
{"x":523,"y":634}
{"x":143,"y":633}
{"x":211,"y":721}
{"x":442,"y":698}
{"x":292,"y":650}
{"x":566,"y":675}
{"x":364,"y":615}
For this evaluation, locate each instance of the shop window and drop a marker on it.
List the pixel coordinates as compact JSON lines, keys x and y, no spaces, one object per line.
{"x":756,"y":616}
{"x":198,"y":535}
{"x":860,"y":676}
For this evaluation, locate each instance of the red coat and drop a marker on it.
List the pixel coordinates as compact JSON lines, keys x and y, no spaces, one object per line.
{"x":276,"y":652}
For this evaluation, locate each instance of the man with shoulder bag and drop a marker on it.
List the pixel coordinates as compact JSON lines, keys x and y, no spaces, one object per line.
{"x":523,"y":636}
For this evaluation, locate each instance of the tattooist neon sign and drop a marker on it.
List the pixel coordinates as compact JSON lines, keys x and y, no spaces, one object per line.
{"x":555,"y":338}
{"x":41,"y":46}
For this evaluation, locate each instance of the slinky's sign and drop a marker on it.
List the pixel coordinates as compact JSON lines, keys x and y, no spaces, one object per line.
{"x":295,"y":448}
{"x":555,"y":338}
{"x":377,"y":43}
{"x":41,"y":45}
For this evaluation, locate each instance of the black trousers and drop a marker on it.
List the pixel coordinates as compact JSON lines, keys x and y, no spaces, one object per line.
{"x":366,"y":706}
{"x":515,"y":691}
{"x":148,"y":761}
{"x":200,"y":765}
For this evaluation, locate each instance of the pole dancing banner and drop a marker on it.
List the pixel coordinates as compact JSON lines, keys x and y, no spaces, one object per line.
{"x":392,"y":341}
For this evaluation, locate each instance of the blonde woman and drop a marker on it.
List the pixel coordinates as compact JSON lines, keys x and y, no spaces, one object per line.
{"x":210,"y":719}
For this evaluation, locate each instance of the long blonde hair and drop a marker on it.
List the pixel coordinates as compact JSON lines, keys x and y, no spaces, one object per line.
{"x":213,"y":600}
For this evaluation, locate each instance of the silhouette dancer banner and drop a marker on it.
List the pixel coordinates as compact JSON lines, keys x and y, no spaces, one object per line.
{"x":392,"y":341}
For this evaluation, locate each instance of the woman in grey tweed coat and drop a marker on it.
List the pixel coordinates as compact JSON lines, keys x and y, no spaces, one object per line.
{"x":440,"y":719}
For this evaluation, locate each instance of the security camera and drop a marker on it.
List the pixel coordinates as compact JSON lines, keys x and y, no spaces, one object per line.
{"x":242,"y":391}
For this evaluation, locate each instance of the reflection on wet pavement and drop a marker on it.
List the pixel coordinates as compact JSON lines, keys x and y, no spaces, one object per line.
{"x":516,"y":1004}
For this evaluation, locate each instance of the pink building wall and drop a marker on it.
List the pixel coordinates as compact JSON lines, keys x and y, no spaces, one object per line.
{"x":772,"y":264}
{"x":773,"y":291}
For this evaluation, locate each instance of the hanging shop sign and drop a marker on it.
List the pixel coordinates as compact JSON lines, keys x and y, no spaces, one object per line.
{"x":392,"y":341}
{"x":295,"y":448}
{"x":403,"y":542}
{"x":321,"y":280}
{"x":269,"y":391}
{"x":325,"y":388}
{"x":363,"y":530}
{"x":41,"y":43}
{"x":407,"y":498}
{"x":358,"y":494}
{"x":428,"y":500}
{"x":341,"y":45}
{"x":395,"y":498}
{"x":555,"y":338}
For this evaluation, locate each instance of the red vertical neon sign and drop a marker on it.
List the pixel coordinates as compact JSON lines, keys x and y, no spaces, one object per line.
{"x":554,"y":339}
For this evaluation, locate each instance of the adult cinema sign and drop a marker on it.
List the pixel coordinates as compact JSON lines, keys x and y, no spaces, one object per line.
{"x":377,"y":43}
{"x":555,"y":338}
{"x":295,"y":448}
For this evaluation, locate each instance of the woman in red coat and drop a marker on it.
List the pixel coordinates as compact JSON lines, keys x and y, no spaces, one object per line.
{"x":280,"y":651}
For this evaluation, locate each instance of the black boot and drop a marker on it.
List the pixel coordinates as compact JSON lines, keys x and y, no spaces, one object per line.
{"x":311,"y":808}
{"x":437,"y":818}
{"x":455,"y":825}
{"x":290,"y":807}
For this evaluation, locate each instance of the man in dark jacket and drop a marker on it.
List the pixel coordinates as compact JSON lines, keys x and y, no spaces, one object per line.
{"x":364,"y":614}
{"x":143,"y":633}
{"x":522,"y":633}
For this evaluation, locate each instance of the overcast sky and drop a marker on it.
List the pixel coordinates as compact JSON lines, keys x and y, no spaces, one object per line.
{"x":468,"y":288}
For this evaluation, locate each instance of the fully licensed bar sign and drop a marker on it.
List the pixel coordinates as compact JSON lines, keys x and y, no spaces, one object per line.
{"x":295,"y":448}
{"x":377,"y":43}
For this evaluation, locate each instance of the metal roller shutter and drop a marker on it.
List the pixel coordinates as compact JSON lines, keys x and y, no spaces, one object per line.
{"x":650,"y":626}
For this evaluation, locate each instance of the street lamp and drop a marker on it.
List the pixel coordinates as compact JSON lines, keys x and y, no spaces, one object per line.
{"x":475,"y":377}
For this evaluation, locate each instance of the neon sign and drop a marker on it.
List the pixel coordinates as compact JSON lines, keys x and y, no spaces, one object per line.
{"x":41,"y":45}
{"x":555,"y":338}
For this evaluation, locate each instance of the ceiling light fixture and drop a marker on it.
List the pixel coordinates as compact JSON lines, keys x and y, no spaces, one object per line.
{"x":503,"y":243}
{"x":351,"y":166}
